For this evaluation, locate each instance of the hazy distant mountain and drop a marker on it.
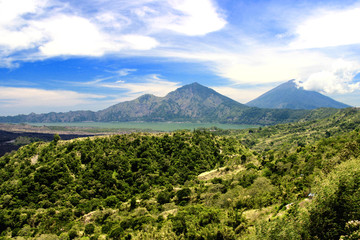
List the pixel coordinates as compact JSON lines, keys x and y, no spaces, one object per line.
{"x":288,"y":95}
{"x":193,"y":103}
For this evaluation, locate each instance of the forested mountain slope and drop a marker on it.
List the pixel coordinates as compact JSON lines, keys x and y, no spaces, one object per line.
{"x":189,"y":185}
{"x":314,"y":127}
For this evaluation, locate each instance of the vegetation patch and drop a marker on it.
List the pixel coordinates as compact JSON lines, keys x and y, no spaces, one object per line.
{"x":291,"y":181}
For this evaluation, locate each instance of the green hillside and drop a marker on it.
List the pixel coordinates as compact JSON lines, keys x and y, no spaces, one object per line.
{"x":289,"y":181}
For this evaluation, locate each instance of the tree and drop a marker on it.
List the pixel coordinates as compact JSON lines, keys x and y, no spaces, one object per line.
{"x":336,"y":203}
{"x":183,"y":196}
{"x":89,"y":229}
{"x":163,"y":197}
{"x":117,"y":233}
{"x":57,"y":138}
{"x":133,"y":203}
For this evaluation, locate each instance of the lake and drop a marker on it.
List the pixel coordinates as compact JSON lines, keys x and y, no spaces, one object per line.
{"x":156,"y":126}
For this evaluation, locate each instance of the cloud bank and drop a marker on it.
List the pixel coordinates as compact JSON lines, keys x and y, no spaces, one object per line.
{"x":13,"y":99}
{"x":50,"y":28}
{"x":328,"y":29}
{"x":336,"y":78}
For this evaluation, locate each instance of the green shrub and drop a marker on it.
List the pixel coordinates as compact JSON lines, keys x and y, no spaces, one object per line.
{"x":89,"y":229}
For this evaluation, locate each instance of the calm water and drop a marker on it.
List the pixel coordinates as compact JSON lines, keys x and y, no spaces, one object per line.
{"x":157,"y":126}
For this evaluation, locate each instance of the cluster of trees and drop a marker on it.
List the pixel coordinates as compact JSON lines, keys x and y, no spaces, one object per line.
{"x":147,"y":186}
{"x":80,"y":176}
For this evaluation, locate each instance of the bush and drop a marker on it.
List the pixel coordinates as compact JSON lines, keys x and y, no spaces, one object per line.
{"x":163,"y":197}
{"x":73,"y":234}
{"x":336,"y":203}
{"x":89,"y":229}
{"x":116,"y":233}
{"x":111,"y":201}
{"x":183,"y":196}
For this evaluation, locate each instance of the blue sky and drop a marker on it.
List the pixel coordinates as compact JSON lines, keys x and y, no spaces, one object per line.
{"x":62,"y":55}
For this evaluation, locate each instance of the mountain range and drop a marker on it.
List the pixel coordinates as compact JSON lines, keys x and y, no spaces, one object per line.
{"x":289,"y":95}
{"x":193,"y":103}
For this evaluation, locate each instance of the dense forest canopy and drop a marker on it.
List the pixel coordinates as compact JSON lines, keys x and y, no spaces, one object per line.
{"x":290,"y":181}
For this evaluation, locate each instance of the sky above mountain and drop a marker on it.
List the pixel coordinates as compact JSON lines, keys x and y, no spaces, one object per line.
{"x":61,"y":55}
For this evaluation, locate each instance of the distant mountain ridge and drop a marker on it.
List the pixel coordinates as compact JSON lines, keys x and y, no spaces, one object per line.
{"x":289,"y":95}
{"x":190,"y":103}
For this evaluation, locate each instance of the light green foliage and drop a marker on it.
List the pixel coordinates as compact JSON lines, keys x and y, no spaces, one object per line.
{"x":56,"y":138}
{"x":336,"y":205}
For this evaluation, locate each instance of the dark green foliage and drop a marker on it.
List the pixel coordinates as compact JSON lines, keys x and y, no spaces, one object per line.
{"x":133,"y":203}
{"x":82,"y":176}
{"x":199,"y":222}
{"x":111,"y":201}
{"x":163,"y":197}
{"x":116,"y":233}
{"x":21,"y":141}
{"x":246,"y":178}
{"x":73,"y":234}
{"x":147,"y":186}
{"x":89,"y":229}
{"x":183,"y":196}
{"x":56,"y":138}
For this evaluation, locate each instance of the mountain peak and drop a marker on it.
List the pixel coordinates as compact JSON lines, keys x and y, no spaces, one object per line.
{"x":192,"y":90}
{"x":146,"y":98}
{"x":291,"y":84}
{"x":289,"y":95}
{"x":194,"y":85}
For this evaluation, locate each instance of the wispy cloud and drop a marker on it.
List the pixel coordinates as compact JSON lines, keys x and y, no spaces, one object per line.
{"x":17,"y":99}
{"x":301,"y":54}
{"x":124,"y":72}
{"x":40,"y":97}
{"x":151,"y":84}
{"x":54,"y":28}
{"x":328,"y":29}
{"x":242,"y":95}
{"x":129,"y":86}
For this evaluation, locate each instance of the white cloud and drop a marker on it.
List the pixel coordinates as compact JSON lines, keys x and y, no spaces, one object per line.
{"x":328,"y":29}
{"x":138,"y":42}
{"x":52,"y":28}
{"x":242,"y":95}
{"x":259,"y":64}
{"x":14,"y":97}
{"x":336,"y":78}
{"x":196,"y":18}
{"x":15,"y":32}
{"x":126,"y":71}
{"x":151,"y":85}
{"x":11,"y":10}
{"x":72,"y":35}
